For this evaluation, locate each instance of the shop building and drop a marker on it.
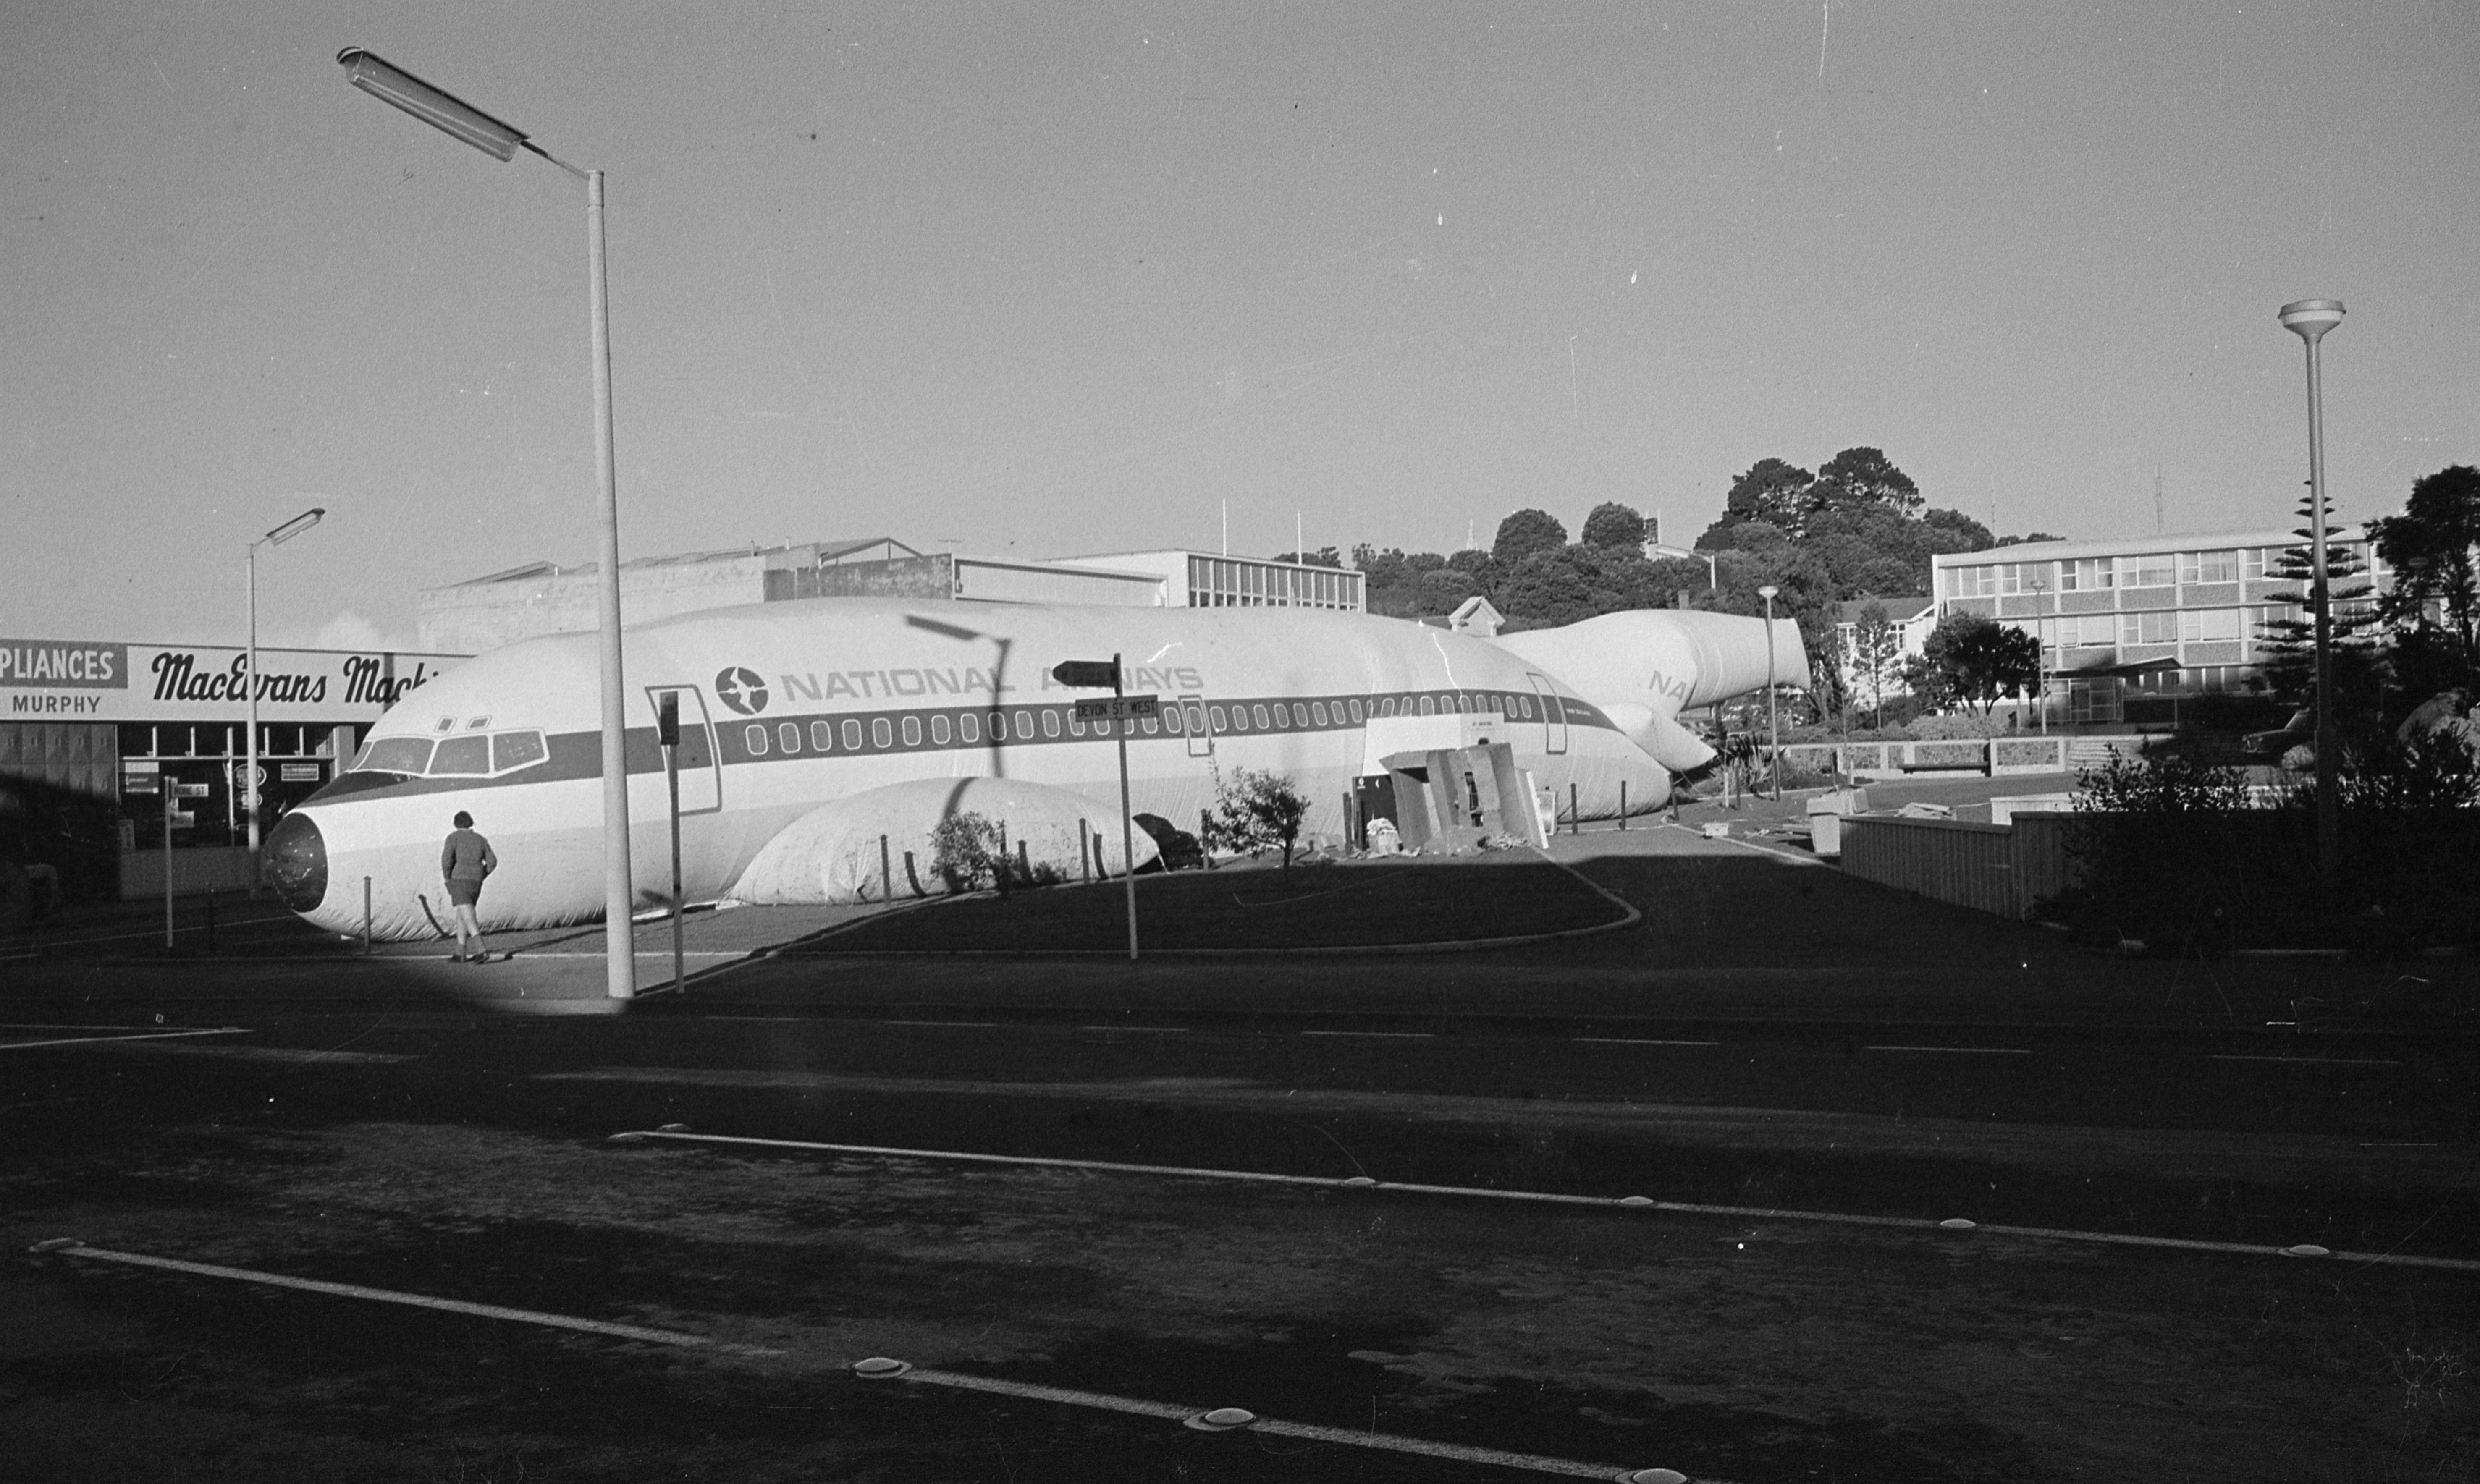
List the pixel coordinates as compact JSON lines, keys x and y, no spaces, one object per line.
{"x":100,"y":739}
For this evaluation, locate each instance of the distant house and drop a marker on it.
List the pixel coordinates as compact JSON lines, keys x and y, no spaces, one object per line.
{"x":1912,"y":617}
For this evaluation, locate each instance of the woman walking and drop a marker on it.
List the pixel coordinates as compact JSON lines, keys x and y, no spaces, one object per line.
{"x":464,"y":860}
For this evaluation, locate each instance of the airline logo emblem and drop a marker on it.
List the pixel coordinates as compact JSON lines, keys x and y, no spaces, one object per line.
{"x":742,"y":689}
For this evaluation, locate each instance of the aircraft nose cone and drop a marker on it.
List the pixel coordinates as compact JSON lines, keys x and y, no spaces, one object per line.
{"x":296,"y":856}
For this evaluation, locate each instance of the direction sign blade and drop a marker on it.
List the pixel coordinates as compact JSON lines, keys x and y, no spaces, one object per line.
{"x":1094,"y":673}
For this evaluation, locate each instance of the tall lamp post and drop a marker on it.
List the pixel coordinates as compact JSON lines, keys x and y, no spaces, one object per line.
{"x":461,"y":120}
{"x":2309,"y":320}
{"x":249,"y":779}
{"x":1774,"y":719}
{"x":2041,"y":651}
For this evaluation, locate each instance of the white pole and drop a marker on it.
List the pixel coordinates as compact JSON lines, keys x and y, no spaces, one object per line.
{"x":250,"y":776}
{"x":619,"y":898}
{"x":1127,"y":828}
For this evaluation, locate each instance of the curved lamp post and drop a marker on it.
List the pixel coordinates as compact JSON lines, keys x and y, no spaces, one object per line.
{"x":2309,"y":320}
{"x":1773,"y":720}
{"x":249,"y":779}
{"x":461,"y":120}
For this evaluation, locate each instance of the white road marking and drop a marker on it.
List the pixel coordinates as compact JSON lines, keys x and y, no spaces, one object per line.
{"x":1164,"y":1028}
{"x":1400,"y":1035}
{"x":414,"y":1300}
{"x":959,"y":1025}
{"x":1624,"y":1041}
{"x":1162,"y":1411}
{"x":1975,"y":1051}
{"x":2315,"y":1061}
{"x":1533,"y":1463}
{"x":138,"y":1036}
{"x":1539,"y":1197}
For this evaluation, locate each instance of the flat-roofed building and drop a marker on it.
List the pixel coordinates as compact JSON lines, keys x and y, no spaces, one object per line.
{"x":1198,"y":579}
{"x":2128,"y":628}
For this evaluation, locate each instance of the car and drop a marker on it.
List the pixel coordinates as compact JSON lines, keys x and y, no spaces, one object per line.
{"x":1176,"y":848}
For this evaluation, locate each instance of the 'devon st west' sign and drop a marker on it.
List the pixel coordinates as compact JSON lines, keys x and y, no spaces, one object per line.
{"x":83,"y":680}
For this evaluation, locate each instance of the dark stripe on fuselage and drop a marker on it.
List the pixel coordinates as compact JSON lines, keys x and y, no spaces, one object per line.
{"x":813,"y":735}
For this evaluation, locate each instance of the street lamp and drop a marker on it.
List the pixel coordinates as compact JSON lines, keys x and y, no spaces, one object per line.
{"x":249,"y":779}
{"x":461,"y":120}
{"x":1773,"y":720}
{"x":2309,"y":320}
{"x":2040,"y":651}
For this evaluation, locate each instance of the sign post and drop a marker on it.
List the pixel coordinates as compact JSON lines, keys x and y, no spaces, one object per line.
{"x":668,"y":732}
{"x":1121,"y":711}
{"x":174,"y":794}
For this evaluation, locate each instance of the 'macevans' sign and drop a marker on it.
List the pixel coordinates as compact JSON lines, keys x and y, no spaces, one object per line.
{"x":122,"y":683}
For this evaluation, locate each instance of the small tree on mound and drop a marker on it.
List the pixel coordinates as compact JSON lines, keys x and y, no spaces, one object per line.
{"x":1256,"y":809}
{"x":965,"y":850}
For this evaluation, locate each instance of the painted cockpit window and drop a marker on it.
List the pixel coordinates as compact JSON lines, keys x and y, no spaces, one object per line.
{"x":513,"y":750}
{"x":462,"y":756}
{"x":395,"y":754}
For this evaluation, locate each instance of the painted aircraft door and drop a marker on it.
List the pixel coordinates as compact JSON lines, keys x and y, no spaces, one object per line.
{"x":700,"y":777}
{"x":1554,"y":715}
{"x":1201,"y":736}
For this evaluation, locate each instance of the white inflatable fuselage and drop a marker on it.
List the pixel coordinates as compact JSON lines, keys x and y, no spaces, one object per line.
{"x":788,"y":706}
{"x":1642,"y":668}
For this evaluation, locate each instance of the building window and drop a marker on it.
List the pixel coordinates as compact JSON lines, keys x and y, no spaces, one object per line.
{"x":2196,"y":567}
{"x":2161,"y":628}
{"x":2209,"y":624}
{"x":2091,"y":574}
{"x":2153,"y":569}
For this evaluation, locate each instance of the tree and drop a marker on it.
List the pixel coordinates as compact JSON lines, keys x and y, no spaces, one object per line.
{"x":1956,"y":531}
{"x":1968,"y":659}
{"x":2435,"y":595}
{"x":1769,"y":490}
{"x":1524,"y":533}
{"x":1615,"y":525}
{"x":2289,"y":645}
{"x":1549,"y":588}
{"x":1863,"y":479}
{"x":1876,"y":653}
{"x":1256,"y":810}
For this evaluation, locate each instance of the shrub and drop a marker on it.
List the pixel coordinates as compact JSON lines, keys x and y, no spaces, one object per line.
{"x":1256,"y":810}
{"x":965,"y":849}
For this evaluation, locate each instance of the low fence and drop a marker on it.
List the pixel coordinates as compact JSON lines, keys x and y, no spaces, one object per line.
{"x":2000,"y":869}
{"x":1988,"y":757}
{"x":195,"y":870}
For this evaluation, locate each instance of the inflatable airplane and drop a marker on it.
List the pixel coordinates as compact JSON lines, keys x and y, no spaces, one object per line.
{"x":807,"y":726}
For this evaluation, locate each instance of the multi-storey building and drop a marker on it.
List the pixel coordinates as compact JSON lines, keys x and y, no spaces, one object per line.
{"x":2131,"y":628}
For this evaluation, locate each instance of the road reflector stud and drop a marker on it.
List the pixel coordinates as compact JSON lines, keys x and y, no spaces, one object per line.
{"x":673,"y":1128}
{"x":1220,"y":1420}
{"x":1635,"y":1200}
{"x":1653,"y":1476}
{"x":879,"y":1368}
{"x":2308,"y":1249}
{"x":56,"y":1244}
{"x":626,"y":1138}
{"x":1358,"y":1183}
{"x":1958,"y":1223}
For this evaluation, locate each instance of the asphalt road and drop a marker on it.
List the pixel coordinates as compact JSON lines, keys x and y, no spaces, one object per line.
{"x":1828,"y":1069}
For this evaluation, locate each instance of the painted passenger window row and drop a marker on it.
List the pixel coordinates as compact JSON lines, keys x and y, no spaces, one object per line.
{"x":969,"y":729}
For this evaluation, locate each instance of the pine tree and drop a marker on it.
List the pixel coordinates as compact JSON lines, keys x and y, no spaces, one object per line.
{"x":2287,"y":645}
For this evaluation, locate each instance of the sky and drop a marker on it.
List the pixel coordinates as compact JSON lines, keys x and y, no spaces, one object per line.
{"x":1040,"y":280}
